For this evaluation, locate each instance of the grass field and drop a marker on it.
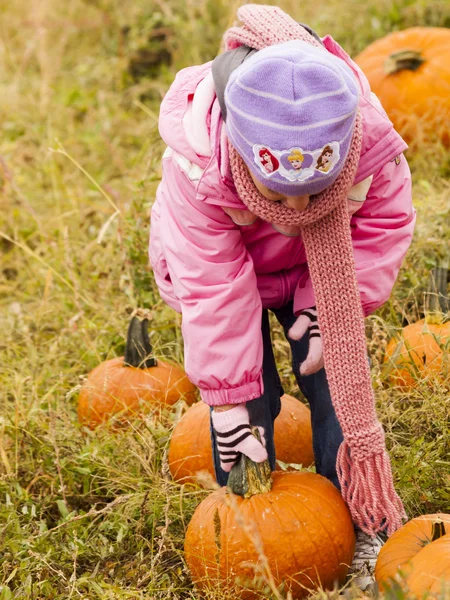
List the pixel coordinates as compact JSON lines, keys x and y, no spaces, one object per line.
{"x":94,"y":514}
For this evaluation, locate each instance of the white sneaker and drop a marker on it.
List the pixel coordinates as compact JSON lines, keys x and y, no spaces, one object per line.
{"x":365,"y":558}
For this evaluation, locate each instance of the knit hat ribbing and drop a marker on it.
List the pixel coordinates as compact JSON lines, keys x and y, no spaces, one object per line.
{"x":292,"y":98}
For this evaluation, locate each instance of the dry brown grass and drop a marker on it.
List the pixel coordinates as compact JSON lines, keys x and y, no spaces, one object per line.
{"x":95,"y":515}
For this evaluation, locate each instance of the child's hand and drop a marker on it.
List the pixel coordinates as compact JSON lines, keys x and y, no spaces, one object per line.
{"x":234,"y":436}
{"x":307,"y":320}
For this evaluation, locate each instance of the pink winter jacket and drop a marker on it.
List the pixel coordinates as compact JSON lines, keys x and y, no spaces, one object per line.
{"x":219,"y":266}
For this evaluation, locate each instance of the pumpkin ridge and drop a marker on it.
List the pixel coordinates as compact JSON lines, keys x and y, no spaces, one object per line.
{"x":220,"y":506}
{"x":303,"y":573}
{"x":223,"y":536}
{"x":214,"y":504}
{"x":323,"y":528}
{"x":322,"y":497}
{"x":254,"y":519}
{"x":310,"y":536}
{"x":281,"y":523}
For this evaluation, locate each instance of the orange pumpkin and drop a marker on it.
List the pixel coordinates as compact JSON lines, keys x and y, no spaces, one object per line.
{"x":430,"y":571}
{"x":300,"y":530}
{"x":190,"y":445}
{"x":417,"y":555}
{"x":422,"y":352}
{"x":409,"y":71}
{"x":131,"y":385}
{"x":419,"y":354}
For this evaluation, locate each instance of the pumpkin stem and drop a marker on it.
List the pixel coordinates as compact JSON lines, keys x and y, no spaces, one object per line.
{"x":437,"y":303}
{"x":405,"y":60}
{"x":438,"y":530}
{"x":138,"y":349}
{"x":248,"y":478}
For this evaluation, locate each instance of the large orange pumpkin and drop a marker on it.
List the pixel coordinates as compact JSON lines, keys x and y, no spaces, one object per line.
{"x":409,"y":71}
{"x":190,"y":445}
{"x":422,"y":352}
{"x":300,"y":530}
{"x":131,"y":385}
{"x":417,"y":555}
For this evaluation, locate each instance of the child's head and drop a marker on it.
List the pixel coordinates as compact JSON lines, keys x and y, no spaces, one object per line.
{"x":291,"y":96}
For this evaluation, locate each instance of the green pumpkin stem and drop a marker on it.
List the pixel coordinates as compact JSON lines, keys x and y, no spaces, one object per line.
{"x":438,"y":530}
{"x":405,"y":60}
{"x":138,"y":349}
{"x":248,"y":478}
{"x":437,"y":302}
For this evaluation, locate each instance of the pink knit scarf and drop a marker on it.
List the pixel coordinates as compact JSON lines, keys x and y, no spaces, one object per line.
{"x":363,"y":465}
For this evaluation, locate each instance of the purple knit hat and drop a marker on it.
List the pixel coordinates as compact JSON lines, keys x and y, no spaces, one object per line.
{"x":291,"y":110}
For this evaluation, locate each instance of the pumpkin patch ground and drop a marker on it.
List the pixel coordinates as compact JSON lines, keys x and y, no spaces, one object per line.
{"x":89,"y":507}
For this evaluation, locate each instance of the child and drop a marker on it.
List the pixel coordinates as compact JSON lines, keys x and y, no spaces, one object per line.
{"x":230,"y":241}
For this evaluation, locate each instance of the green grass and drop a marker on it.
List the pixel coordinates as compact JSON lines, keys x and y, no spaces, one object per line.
{"x":95,"y":515}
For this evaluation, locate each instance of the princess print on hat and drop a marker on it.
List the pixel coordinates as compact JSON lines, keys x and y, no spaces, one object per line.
{"x":296,"y":159}
{"x":324,"y":161}
{"x":271,"y":162}
{"x":296,"y":164}
{"x":268,"y":161}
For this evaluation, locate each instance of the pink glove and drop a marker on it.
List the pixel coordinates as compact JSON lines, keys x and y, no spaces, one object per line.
{"x":307,"y":320}
{"x":234,"y":436}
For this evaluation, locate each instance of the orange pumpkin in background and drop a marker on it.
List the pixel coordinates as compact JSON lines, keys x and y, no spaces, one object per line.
{"x":422,"y":351}
{"x":190,"y":444}
{"x":129,"y":386}
{"x":298,"y":521}
{"x":417,"y":556}
{"x":190,"y":449}
{"x":409,"y":71}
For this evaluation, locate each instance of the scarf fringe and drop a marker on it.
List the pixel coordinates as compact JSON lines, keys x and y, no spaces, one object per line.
{"x":368,"y":490}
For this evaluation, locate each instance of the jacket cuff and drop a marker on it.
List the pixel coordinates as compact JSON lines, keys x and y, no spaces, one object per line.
{"x":304,"y":298}
{"x":235,"y":395}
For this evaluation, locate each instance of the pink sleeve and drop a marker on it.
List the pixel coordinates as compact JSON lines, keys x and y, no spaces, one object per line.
{"x":213,"y":277}
{"x":382,"y":230}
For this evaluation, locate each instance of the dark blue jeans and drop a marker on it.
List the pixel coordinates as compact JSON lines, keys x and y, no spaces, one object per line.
{"x":327,"y":434}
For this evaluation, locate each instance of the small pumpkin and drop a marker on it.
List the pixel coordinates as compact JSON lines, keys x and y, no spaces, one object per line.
{"x":419,"y":354}
{"x":128,"y":386}
{"x":409,"y":71}
{"x":423,"y":348}
{"x":190,"y":444}
{"x":430,"y":571}
{"x":417,"y":555}
{"x":288,"y":529}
